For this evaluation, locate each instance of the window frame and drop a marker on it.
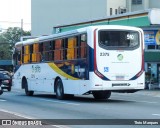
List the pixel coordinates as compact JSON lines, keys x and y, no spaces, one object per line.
{"x":137,"y":2}
{"x":111,"y":11}
{"x":118,"y":47}
{"x":51,"y":48}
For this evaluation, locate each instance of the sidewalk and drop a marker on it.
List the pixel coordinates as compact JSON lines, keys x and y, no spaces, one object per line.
{"x":152,"y":92}
{"x":153,"y":86}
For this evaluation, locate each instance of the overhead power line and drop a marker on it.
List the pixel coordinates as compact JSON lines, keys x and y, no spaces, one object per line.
{"x":13,"y":22}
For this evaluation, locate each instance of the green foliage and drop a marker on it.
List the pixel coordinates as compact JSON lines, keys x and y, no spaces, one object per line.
{"x":5,"y":52}
{"x":8,"y":40}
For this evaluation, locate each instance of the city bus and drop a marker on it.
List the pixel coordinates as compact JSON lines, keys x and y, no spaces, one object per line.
{"x":93,"y":60}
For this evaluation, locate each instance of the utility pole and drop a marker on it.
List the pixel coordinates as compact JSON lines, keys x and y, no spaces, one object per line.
{"x":21,"y":27}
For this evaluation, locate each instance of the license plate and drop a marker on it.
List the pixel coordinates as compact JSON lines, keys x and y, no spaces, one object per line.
{"x":119,"y":77}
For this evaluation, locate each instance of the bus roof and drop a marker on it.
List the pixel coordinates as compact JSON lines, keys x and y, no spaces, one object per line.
{"x":44,"y":38}
{"x":63,"y":34}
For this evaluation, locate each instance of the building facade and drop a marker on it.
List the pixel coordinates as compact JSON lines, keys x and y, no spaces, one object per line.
{"x":47,"y":15}
{"x":135,"y":5}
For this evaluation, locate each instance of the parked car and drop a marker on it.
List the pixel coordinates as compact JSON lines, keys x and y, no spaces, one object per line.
{"x":6,"y":80}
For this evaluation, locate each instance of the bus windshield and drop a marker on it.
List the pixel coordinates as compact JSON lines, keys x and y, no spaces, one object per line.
{"x":118,"y":38}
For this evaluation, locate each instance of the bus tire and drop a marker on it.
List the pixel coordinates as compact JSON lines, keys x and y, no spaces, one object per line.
{"x":69,"y":96}
{"x":25,"y":85}
{"x":101,"y":94}
{"x":1,"y":92}
{"x":9,"y":89}
{"x":59,"y":90}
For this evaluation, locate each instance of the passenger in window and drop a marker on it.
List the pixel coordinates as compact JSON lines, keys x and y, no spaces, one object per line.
{"x":83,"y":38}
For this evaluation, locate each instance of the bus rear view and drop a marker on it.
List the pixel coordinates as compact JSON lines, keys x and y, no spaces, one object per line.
{"x":119,"y":59}
{"x":92,"y":60}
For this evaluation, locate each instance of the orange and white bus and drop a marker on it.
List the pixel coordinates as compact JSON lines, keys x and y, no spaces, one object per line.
{"x":92,"y":60}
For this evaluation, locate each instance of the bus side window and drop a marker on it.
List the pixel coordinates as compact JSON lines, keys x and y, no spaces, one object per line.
{"x":26,"y":54}
{"x":41,"y":52}
{"x":31,"y":52}
{"x":78,"y":48}
{"x":52,"y":48}
{"x":38,"y":56}
{"x":19,"y":61}
{"x":50,"y":51}
{"x":22,"y":54}
{"x":83,"y":46}
{"x":72,"y":51}
{"x":65,"y":47}
{"x":35,"y":55}
{"x":46,"y":46}
{"x":58,"y":52}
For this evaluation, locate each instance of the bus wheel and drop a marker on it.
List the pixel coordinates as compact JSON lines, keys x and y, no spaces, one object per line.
{"x":59,"y":90}
{"x":101,"y":94}
{"x":9,"y":89}
{"x":1,"y":92}
{"x":28,"y":93}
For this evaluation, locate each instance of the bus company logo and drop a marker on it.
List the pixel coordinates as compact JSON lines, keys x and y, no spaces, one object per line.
{"x":6,"y":122}
{"x":120,"y":57}
{"x":36,"y":69}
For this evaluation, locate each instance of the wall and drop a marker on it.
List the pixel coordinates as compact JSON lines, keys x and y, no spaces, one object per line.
{"x":143,"y":6}
{"x":46,"y":14}
{"x":128,"y":5}
{"x":138,"y":19}
{"x":154,"y":3}
{"x":49,"y":13}
{"x":146,"y":4}
{"x":115,"y":4}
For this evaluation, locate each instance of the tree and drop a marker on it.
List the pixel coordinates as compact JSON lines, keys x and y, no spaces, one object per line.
{"x":8,"y":40}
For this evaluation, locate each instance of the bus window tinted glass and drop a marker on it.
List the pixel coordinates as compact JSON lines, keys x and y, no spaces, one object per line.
{"x":126,"y":39}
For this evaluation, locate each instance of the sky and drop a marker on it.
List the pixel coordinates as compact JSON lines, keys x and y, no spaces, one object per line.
{"x":13,"y":11}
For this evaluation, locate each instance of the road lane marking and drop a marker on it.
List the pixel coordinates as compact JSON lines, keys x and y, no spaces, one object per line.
{"x":17,"y":91}
{"x":107,"y":108}
{"x":2,"y":100}
{"x":147,"y":102}
{"x":61,"y":102}
{"x":60,"y":126}
{"x":16,"y":114}
{"x":157,"y":95}
{"x":137,"y":101}
{"x":155,"y":114}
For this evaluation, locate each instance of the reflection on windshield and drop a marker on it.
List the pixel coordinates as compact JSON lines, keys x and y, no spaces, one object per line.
{"x":127,"y":39}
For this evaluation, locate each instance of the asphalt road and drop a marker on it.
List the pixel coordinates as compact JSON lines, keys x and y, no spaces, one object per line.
{"x":140,"y":105}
